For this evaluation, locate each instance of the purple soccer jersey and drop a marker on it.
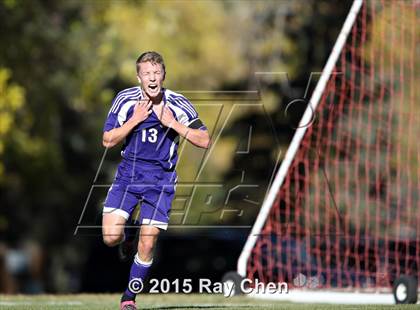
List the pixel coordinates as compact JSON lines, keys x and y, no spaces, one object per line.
{"x":150,"y":141}
{"x":147,"y":171}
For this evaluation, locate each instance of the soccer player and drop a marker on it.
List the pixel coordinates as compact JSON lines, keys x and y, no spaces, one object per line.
{"x":150,"y":119}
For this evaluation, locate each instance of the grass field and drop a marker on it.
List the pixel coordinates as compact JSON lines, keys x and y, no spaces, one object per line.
{"x":169,"y":301}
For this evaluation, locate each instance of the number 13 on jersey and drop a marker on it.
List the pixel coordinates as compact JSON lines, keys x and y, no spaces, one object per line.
{"x":149,"y":134}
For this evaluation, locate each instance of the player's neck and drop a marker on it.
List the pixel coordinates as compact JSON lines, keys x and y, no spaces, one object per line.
{"x":157,"y":100}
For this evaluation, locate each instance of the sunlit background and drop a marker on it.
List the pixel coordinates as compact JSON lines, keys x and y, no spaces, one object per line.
{"x":61,"y":64}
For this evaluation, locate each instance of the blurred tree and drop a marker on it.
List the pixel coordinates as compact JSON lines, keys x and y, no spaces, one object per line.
{"x":12,"y":98}
{"x":68,"y":59}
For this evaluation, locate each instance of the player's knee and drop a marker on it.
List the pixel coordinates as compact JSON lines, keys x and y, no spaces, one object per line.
{"x":112,"y":240}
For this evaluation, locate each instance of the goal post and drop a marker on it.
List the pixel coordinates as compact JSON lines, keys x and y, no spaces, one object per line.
{"x":307,"y":119}
{"x":342,"y":213}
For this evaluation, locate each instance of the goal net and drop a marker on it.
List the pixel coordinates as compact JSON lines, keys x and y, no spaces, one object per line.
{"x":344,"y":210}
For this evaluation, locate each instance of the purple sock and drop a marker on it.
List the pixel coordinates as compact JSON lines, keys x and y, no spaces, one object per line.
{"x":139,"y":270}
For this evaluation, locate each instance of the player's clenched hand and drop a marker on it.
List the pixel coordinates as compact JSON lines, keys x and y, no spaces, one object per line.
{"x":142,"y":110}
{"x":166,"y":117}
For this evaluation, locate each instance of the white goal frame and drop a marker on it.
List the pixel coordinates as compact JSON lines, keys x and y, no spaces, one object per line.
{"x":305,"y":295}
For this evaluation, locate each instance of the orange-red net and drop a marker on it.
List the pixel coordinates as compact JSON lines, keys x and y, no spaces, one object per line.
{"x":348,"y":212}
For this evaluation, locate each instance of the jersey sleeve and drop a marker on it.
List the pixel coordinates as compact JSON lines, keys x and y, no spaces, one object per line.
{"x":111,"y":121}
{"x":186,"y":113}
{"x":117,"y":115}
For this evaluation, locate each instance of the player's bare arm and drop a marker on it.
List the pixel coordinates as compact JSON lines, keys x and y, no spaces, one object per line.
{"x":141,"y":111}
{"x":197,"y":137}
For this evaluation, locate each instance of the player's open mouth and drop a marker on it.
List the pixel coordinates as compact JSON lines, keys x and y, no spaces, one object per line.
{"x":153,"y":87}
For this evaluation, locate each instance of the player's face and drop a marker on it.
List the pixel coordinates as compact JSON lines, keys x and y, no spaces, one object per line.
{"x":151,"y":76}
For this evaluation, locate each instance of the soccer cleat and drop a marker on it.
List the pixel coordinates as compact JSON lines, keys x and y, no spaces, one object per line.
{"x":128,"y":305}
